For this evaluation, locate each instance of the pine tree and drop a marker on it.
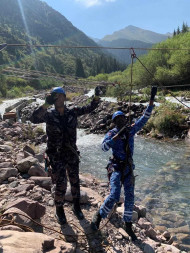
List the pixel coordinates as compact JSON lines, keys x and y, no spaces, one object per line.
{"x":178,"y":30}
{"x":174,"y":33}
{"x":79,"y":68}
{"x":184,"y":28}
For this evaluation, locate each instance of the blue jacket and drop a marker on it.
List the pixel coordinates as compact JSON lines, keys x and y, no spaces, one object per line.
{"x":118,"y":146}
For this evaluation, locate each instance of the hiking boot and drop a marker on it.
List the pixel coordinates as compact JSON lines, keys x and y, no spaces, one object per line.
{"x":128,"y":229}
{"x":96,"y":219}
{"x":76,"y":208}
{"x":60,"y":215}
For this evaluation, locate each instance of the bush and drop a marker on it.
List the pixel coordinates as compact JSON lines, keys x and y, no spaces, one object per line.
{"x":167,"y":120}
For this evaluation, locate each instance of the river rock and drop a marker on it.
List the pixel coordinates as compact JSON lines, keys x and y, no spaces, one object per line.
{"x":44,"y":182}
{"x":143,"y":223}
{"x":19,"y":242}
{"x":28,"y":149}
{"x":5,"y":173}
{"x":5,"y":148}
{"x":32,"y":208}
{"x":19,"y":216}
{"x":12,"y":227}
{"x":183,"y":229}
{"x":168,"y":248}
{"x":37,"y":170}
{"x":6,"y":165}
{"x":150,"y":232}
{"x":25,"y":164}
{"x":83,"y":196}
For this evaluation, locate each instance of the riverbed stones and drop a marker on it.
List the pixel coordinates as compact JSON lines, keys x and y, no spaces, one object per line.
{"x":37,"y":170}
{"x":32,"y":208}
{"x":5,"y":148}
{"x":25,"y":164}
{"x":5,"y":173}
{"x":44,"y":182}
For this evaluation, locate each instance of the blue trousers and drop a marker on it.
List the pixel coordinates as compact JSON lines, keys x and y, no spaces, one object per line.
{"x":114,"y":196}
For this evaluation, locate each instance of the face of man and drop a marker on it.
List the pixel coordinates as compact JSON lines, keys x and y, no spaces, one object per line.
{"x":120,"y":121}
{"x":60,"y":100}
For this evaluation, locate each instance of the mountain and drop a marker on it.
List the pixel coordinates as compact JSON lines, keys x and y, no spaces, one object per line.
{"x":131,"y":36}
{"x":34,"y":22}
{"x":134,"y":33}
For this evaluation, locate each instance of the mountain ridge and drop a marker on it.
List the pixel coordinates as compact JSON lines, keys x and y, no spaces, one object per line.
{"x":135,"y":33}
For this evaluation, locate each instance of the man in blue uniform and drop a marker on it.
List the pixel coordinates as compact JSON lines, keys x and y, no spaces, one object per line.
{"x":61,"y":124}
{"x":120,"y":167}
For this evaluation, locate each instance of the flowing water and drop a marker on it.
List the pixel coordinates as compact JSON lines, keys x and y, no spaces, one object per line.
{"x":163,"y":182}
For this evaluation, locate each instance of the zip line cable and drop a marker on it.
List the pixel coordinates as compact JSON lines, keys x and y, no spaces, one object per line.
{"x":88,"y":47}
{"x":3,"y":46}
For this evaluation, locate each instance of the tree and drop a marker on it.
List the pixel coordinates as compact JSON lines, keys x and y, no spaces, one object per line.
{"x":3,"y":86}
{"x":174,"y":33}
{"x":178,"y":30}
{"x":79,"y":68}
{"x":184,"y":28}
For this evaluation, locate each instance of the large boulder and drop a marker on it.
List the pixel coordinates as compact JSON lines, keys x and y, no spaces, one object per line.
{"x":32,"y":208}
{"x":5,"y":173}
{"x":25,"y":164}
{"x":19,"y":242}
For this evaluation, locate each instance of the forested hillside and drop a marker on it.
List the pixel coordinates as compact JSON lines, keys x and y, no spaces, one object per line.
{"x":34,"y":22}
{"x":124,"y":55}
{"x":170,"y":67}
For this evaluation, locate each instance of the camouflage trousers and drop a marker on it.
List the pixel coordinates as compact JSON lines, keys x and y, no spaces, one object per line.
{"x":61,"y":170}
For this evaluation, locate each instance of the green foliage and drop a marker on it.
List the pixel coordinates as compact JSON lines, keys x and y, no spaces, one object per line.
{"x":3,"y":86}
{"x":169,"y":67}
{"x":46,"y":26}
{"x":79,"y":68}
{"x":166,"y":120}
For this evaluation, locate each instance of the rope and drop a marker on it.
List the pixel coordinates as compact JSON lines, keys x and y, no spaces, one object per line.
{"x":93,"y":47}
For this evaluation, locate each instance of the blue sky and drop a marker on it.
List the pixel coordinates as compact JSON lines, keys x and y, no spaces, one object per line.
{"x":97,"y":18}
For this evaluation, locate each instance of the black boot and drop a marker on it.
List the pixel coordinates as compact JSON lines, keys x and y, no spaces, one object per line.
{"x":76,"y":208}
{"x":96,"y":221}
{"x":60,"y":215}
{"x":128,"y":229}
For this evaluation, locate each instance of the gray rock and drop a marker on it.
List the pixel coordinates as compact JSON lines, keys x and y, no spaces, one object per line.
{"x":28,"y":149}
{"x":5,"y":173}
{"x":30,"y":207}
{"x":25,"y":164}
{"x":6,"y":165}
{"x":14,"y":184}
{"x":5,"y":148}
{"x":44,"y":182}
{"x":37,"y":170}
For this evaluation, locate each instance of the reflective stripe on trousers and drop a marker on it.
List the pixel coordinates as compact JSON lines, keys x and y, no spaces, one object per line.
{"x":114,"y":196}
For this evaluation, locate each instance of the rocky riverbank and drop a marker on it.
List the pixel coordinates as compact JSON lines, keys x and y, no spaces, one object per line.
{"x":26,"y":202}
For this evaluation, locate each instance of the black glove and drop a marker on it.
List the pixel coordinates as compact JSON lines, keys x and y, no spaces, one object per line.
{"x":153,"y":92}
{"x":50,"y":99}
{"x":97,"y":91}
{"x":123,"y":130}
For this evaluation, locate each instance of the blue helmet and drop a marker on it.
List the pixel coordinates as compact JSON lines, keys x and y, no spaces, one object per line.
{"x":58,"y":90}
{"x":118,"y":113}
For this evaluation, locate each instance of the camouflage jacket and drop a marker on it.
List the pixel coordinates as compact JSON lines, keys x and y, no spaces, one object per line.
{"x":61,"y":129}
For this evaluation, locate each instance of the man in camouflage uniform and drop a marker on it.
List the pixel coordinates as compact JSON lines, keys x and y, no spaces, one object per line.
{"x":61,"y":124}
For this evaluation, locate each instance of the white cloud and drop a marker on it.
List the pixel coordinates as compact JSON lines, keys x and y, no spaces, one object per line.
{"x":90,"y":3}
